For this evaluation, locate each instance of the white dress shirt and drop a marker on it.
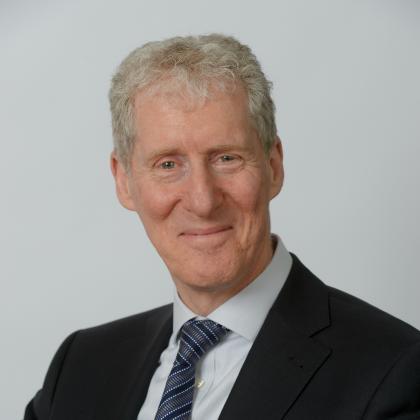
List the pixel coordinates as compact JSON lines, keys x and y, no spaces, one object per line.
{"x":217,"y":370}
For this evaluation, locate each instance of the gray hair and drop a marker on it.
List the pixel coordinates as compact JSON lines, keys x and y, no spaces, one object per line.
{"x":190,"y":65}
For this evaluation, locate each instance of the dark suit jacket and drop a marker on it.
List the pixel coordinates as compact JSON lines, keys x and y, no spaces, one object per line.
{"x":320,"y":355}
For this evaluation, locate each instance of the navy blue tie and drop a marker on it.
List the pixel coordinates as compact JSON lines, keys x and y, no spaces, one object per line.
{"x":196,"y":338}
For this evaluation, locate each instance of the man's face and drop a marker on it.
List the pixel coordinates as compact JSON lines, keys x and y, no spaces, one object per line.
{"x":201,"y":184}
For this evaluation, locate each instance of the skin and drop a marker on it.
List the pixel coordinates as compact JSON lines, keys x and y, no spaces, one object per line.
{"x":201,"y":184}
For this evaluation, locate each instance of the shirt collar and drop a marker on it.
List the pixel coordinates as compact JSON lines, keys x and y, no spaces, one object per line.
{"x":245,"y":312}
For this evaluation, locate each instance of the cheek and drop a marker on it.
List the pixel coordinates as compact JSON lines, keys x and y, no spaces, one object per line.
{"x":250,"y":194}
{"x":154,"y":203}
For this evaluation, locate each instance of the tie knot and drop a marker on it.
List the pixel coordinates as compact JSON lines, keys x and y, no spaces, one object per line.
{"x":198,"y":336}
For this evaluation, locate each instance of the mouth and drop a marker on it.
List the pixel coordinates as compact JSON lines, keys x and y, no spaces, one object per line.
{"x":203,"y":232}
{"x":206,"y":239}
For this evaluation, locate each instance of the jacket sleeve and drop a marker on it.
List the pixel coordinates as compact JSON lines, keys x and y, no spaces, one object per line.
{"x":398,"y":394}
{"x":39,"y":408}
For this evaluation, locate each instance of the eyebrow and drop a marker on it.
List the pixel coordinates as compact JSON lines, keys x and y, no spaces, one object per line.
{"x":163,"y":152}
{"x":226,"y":147}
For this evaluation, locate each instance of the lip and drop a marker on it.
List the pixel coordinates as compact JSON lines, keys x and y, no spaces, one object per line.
{"x":205,"y":231}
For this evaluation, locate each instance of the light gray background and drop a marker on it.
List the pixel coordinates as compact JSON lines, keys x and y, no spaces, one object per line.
{"x":346,"y":77}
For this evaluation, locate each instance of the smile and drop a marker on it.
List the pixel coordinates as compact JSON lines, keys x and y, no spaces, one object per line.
{"x":207,"y":238}
{"x":206,"y":231}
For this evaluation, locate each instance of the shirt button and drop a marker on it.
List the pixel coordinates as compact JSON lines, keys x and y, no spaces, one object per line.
{"x":199,"y":383}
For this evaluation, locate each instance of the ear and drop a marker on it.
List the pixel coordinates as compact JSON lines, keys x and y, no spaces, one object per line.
{"x":275,"y":160}
{"x":121,"y":183}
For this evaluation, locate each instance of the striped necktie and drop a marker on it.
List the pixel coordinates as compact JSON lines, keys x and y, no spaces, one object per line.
{"x":197,"y":336}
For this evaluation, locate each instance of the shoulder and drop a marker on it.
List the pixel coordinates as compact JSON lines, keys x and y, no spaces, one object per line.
{"x":343,"y":315}
{"x":127,"y":327}
{"x":99,"y":345}
{"x":82,"y":356}
{"x":378,"y":353}
{"x":325,"y":311}
{"x":372,"y":354}
{"x":356,"y":331}
{"x":371,"y":349}
{"x":105,"y":337}
{"x":361,"y":319}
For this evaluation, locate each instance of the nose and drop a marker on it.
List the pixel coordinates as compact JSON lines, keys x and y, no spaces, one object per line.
{"x":203,"y":195}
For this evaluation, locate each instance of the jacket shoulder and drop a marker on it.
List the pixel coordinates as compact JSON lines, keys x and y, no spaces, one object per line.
{"x":86,"y":351}
{"x":125,"y":328}
{"x":368,"y":321}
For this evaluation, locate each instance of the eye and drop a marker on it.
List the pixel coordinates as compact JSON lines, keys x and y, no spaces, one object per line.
{"x":227,"y":158}
{"x":167,"y":164}
{"x":228,"y":162}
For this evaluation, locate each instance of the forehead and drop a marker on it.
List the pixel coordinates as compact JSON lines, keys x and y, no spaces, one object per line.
{"x":178,"y":114}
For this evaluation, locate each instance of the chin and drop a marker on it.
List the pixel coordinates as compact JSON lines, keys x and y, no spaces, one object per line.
{"x":213,"y":279}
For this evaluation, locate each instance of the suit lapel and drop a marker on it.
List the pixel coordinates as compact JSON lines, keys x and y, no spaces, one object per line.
{"x":284,"y":356}
{"x":133,"y":364}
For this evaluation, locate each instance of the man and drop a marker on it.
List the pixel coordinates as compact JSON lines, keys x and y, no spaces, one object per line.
{"x":252,"y":333}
